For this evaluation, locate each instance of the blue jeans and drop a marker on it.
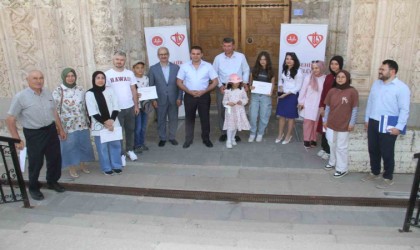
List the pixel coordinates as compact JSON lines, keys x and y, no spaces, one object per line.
{"x":109,"y":154}
{"x":260,"y":106}
{"x":140,"y":130}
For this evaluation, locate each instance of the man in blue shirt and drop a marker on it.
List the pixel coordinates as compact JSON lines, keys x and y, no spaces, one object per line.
{"x":388,"y":96}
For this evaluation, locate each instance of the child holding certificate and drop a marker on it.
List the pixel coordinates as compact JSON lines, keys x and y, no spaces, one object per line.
{"x":260,"y":103}
{"x":234,"y":100}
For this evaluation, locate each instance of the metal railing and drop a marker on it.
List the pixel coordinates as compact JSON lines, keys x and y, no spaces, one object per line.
{"x":12,"y":174}
{"x":414,"y":200}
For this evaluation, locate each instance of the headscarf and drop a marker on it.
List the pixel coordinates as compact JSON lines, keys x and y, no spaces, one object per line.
{"x":339,"y":60}
{"x":313,"y":82}
{"x":64,"y":75}
{"x":99,"y":96}
{"x":348,"y":80}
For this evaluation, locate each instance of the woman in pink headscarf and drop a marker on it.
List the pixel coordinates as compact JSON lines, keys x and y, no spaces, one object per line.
{"x":308,"y":102}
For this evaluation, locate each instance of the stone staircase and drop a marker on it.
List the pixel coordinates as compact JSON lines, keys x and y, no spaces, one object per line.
{"x":95,"y":221}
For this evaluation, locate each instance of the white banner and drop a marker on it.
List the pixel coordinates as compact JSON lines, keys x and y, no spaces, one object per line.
{"x":308,"y":41}
{"x":172,"y":37}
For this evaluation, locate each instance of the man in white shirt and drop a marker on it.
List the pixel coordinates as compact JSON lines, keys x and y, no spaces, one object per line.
{"x":193,"y":79}
{"x":225,"y":64}
{"x":123,"y":82}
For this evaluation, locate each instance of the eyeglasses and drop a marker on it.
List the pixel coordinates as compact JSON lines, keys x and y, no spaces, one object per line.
{"x":163,"y":54}
{"x":317,"y":61}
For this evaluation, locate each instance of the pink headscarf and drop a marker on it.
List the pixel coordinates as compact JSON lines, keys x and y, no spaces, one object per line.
{"x":313,"y":82}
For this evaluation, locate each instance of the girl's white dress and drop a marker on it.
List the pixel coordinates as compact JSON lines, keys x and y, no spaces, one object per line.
{"x":235,"y":119}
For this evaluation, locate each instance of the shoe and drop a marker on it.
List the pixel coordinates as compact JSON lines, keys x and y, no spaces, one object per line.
{"x":313,"y":144}
{"x":85,"y":169}
{"x":161,"y":143}
{"x":307,"y":144}
{"x":287,"y":141}
{"x":117,"y":171}
{"x":132,"y":155}
{"x":173,"y":142}
{"x":56,"y":187}
{"x":123,"y":161}
{"x":208,"y":143}
{"x":138,"y":150}
{"x":321,"y":153}
{"x":186,"y":144}
{"x":228,"y":144}
{"x":386,"y":183}
{"x":339,"y":174}
{"x":237,"y":138}
{"x":144,"y":148}
{"x":259,"y":138}
{"x":326,"y":156}
{"x":109,"y":173}
{"x":278,"y":139}
{"x":328,"y":167}
{"x":73,"y":173}
{"x":223,"y":138}
{"x":370,"y":177}
{"x":251,"y":138}
{"x":234,"y":142}
{"x":36,"y":195}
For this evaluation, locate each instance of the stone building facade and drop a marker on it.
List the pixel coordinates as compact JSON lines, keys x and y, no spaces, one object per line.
{"x":83,"y":34}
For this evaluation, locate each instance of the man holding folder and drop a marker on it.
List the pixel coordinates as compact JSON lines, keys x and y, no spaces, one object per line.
{"x":388,"y":102}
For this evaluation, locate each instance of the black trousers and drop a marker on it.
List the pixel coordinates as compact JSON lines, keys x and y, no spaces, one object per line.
{"x":192,"y":104}
{"x":43,"y":142}
{"x":324,"y":143}
{"x":381,"y":146}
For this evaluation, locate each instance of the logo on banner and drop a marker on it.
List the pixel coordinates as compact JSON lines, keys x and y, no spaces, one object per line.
{"x":157,"y":40}
{"x":292,"y":39}
{"x":178,"y":38}
{"x":315,"y":39}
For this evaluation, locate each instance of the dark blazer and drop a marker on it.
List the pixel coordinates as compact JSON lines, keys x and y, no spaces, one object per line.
{"x":166,"y":91}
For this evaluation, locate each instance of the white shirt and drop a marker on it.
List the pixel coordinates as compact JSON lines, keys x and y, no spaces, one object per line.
{"x":93,"y":109}
{"x":121,"y":83}
{"x":142,"y":81}
{"x":196,"y":79}
{"x":225,"y":66}
{"x":289,"y":84}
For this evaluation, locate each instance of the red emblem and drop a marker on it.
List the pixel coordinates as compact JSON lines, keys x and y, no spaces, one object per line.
{"x":292,"y":39}
{"x":315,"y":39}
{"x":157,"y":40}
{"x":178,"y":38}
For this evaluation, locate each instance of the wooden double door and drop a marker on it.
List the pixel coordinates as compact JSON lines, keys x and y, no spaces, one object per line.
{"x":254,"y":24}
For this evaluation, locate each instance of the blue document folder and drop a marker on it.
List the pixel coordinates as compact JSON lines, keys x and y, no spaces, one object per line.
{"x":387,"y":122}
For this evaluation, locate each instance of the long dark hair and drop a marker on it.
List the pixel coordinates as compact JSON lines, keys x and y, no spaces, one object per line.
{"x":294,"y":69}
{"x":258,"y":68}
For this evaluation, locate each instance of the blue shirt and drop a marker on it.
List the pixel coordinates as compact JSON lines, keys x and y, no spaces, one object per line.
{"x":392,"y":99}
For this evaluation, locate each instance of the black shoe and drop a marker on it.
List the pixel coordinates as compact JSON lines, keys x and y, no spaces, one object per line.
{"x":313,"y":144}
{"x":173,"y":142}
{"x":36,"y":195}
{"x":208,"y":143}
{"x":138,"y":150}
{"x":307,"y":144}
{"x":109,"y":173}
{"x":161,"y":143}
{"x":117,"y":171}
{"x":237,"y":138}
{"x":187,"y":144}
{"x":56,"y":187}
{"x":223,"y":138}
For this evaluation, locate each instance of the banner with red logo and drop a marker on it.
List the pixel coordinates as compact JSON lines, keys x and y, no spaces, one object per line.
{"x":308,"y":41}
{"x":172,"y":37}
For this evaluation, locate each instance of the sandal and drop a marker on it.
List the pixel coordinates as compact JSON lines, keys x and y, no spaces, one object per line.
{"x":84,"y":169}
{"x":73,"y":173}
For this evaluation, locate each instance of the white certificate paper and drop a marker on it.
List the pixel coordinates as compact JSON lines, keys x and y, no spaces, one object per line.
{"x":261,"y":87}
{"x":22,"y":159}
{"x":107,"y":136}
{"x":147,"y":93}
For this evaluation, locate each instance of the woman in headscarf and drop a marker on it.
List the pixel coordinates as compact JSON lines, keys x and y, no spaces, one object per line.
{"x":308,"y":100}
{"x":102,"y":105}
{"x":70,"y":103}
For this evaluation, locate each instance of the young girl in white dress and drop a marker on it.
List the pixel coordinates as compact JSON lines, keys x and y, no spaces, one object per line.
{"x":234,"y":100}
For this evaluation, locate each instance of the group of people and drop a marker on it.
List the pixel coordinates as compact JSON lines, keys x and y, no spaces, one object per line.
{"x":327,"y":103}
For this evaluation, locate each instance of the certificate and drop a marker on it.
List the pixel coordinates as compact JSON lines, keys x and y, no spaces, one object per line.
{"x":107,"y":136}
{"x":261,"y":87}
{"x":147,"y":93}
{"x":22,"y":159}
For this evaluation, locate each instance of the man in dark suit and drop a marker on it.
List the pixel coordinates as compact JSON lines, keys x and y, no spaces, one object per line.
{"x":163,"y":76}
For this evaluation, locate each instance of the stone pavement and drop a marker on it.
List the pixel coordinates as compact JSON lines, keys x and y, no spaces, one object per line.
{"x":257,"y":167}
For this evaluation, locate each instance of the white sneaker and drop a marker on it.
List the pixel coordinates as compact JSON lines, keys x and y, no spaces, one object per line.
{"x":326,"y":156}
{"x":251,"y":138}
{"x":259,"y":138}
{"x":321,"y":153}
{"x":123,"y":160}
{"x":234,"y":142}
{"x":228,"y":144}
{"x":132,"y":155}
